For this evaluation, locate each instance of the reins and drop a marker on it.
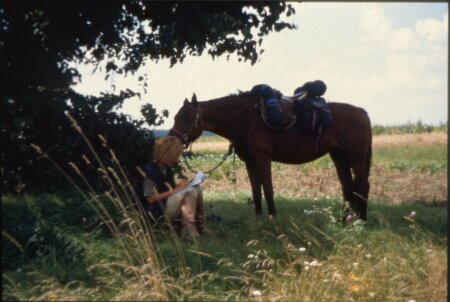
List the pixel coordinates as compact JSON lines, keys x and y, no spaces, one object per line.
{"x":225,"y":156}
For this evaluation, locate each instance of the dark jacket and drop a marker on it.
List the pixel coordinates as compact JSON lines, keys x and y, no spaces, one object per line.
{"x":154,"y":173}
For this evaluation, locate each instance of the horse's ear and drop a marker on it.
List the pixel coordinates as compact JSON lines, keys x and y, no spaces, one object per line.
{"x":186,"y":101}
{"x":194,"y":100}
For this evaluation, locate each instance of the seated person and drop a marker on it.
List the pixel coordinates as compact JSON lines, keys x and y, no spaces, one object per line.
{"x":159,"y":189}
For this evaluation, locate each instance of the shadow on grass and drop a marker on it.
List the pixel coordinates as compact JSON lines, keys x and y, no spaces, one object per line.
{"x":324,"y":215}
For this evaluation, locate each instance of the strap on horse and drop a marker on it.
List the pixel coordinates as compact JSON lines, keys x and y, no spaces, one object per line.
{"x":186,"y":154}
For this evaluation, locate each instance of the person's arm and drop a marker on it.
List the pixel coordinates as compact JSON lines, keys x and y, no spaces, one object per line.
{"x":163,"y":195}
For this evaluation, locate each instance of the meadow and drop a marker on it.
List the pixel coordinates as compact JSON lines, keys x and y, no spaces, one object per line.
{"x":93,"y":247}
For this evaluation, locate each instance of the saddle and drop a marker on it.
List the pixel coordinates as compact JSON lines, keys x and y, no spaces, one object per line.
{"x":300,"y":112}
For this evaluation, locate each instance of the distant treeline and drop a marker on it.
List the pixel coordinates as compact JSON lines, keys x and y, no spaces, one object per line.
{"x":417,"y":127}
{"x":161,"y":133}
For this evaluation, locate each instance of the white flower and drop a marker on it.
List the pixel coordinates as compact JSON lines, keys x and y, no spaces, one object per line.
{"x":368,"y":256}
{"x":355,"y":264}
{"x":256,"y":293}
{"x":314,"y":263}
{"x":250,"y":256}
{"x":309,"y":243}
{"x":302,"y":249}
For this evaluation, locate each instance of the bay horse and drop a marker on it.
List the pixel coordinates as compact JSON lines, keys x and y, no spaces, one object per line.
{"x":237,"y":118}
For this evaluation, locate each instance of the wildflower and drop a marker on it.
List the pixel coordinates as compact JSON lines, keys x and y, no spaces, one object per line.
{"x":355,"y":264}
{"x":256,"y":293}
{"x":250,"y":256}
{"x":314,"y":263}
{"x":309,"y":243}
{"x":412,"y":215}
{"x":349,"y":218}
{"x":302,"y":249}
{"x":367,"y":256}
{"x":352,"y":277}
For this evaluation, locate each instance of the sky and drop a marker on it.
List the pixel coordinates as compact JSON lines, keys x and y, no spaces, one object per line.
{"x":389,"y":58}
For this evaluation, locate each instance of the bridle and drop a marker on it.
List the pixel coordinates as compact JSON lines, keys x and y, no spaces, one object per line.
{"x":186,"y":137}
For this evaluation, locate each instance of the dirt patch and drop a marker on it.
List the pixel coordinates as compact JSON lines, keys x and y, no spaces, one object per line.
{"x":400,"y":140}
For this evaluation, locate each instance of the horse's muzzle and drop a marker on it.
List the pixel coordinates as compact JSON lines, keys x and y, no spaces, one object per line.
{"x":182,"y":136}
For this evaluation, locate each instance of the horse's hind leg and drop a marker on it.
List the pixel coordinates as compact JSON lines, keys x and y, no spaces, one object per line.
{"x":361,"y":193}
{"x":255,"y":182}
{"x":344,"y":173}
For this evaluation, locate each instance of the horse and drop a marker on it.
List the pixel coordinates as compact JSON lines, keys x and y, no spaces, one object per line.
{"x":237,"y":118}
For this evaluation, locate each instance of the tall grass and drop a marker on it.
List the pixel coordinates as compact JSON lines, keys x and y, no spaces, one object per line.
{"x":91,"y":245}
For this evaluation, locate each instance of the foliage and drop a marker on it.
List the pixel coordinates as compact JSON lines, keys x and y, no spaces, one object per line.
{"x":417,"y":127}
{"x":40,"y":40}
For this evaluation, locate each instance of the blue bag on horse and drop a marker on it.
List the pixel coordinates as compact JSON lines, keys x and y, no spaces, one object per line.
{"x":272,"y":104}
{"x":315,"y":88}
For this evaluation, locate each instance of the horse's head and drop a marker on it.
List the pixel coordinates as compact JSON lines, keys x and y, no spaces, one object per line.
{"x":188,"y":122}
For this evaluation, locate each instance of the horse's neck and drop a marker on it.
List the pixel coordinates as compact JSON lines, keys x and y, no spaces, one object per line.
{"x":221,"y":116}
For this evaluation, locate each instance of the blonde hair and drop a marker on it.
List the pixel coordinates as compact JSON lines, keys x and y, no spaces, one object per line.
{"x":167,"y":149}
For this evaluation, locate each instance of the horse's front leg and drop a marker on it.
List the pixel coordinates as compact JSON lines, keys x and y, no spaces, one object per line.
{"x":255,"y":182}
{"x":265,"y":173}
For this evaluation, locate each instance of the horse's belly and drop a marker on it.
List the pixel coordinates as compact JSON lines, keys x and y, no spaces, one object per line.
{"x":298,"y":151}
{"x":288,"y":158}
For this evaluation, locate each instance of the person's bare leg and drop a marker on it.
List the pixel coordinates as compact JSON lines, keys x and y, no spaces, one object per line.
{"x":188,"y":210}
{"x":200,"y":212}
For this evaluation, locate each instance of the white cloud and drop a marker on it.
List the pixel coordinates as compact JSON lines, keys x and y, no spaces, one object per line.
{"x":375,"y":26}
{"x":404,"y":39}
{"x":397,"y":73}
{"x":414,"y":66}
{"x":432,"y":30}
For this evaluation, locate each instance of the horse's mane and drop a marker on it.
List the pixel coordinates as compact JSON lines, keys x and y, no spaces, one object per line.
{"x":243,"y":93}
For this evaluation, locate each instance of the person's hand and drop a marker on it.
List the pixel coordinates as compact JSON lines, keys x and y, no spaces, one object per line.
{"x":183,"y":184}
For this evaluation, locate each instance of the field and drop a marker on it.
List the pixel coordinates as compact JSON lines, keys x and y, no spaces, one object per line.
{"x":65,"y":247}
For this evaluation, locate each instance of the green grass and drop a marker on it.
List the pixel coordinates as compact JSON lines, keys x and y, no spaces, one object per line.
{"x":418,"y":158}
{"x":91,"y":266}
{"x":69,"y":247}
{"x":422,"y":158}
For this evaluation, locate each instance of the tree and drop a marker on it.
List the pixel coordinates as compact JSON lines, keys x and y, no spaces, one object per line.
{"x":39,"y":39}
